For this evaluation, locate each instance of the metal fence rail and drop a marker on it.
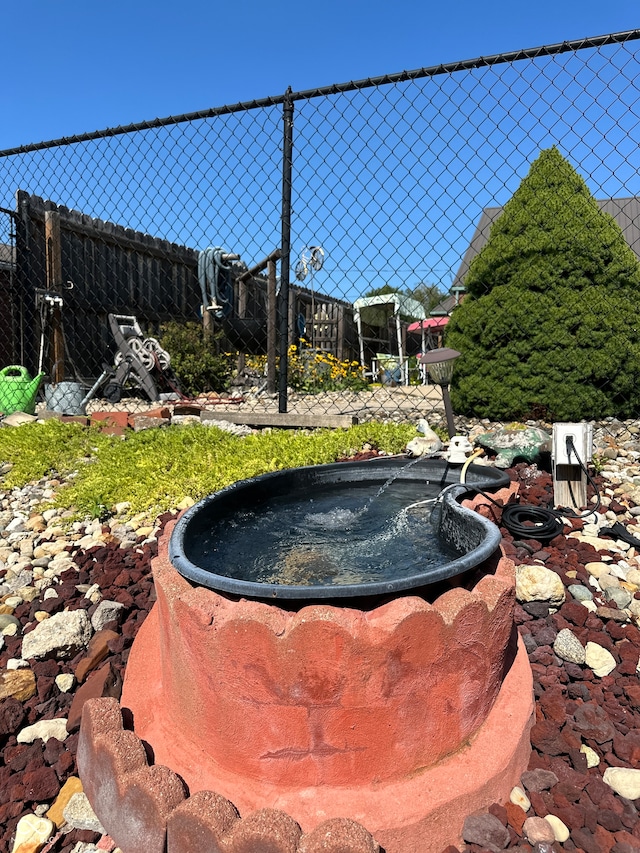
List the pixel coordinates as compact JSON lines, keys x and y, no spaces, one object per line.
{"x":299,"y":252}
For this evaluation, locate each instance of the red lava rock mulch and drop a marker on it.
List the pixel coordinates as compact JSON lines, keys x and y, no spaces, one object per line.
{"x":573,"y":706}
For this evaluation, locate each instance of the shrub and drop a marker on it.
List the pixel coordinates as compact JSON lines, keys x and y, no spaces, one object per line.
{"x":549,"y":320}
{"x":195,"y":359}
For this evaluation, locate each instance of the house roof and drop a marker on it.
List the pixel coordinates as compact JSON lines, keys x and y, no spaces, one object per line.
{"x":446,"y":305}
{"x":626,"y":212}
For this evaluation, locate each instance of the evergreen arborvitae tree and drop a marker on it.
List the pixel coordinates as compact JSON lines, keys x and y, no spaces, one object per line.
{"x":550,"y":320}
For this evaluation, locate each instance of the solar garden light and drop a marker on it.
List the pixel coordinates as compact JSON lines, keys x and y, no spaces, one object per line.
{"x":439,"y":364}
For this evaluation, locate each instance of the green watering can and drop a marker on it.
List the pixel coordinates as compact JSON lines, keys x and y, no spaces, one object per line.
{"x":18,"y":390}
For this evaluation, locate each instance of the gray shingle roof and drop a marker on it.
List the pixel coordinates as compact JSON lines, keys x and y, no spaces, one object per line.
{"x":626,"y":212}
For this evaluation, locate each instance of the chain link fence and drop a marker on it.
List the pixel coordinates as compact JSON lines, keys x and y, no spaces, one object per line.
{"x":299,"y":254}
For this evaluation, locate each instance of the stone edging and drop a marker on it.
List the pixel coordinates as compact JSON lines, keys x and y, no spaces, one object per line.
{"x":144,"y":807}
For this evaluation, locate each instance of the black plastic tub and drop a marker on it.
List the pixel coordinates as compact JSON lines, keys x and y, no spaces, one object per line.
{"x":466,"y":538}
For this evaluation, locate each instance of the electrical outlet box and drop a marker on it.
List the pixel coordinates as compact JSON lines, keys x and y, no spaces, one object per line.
{"x":582,"y":438}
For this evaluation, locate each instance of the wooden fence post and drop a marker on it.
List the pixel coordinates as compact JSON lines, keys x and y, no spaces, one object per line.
{"x":272,"y":310}
{"x":569,"y":487}
{"x":242,"y":313}
{"x":54,"y":284}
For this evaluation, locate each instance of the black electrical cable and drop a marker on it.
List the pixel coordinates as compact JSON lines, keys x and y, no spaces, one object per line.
{"x":571,"y":448}
{"x":541,"y":523}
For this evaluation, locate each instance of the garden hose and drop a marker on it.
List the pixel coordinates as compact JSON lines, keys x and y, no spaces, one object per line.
{"x":210,"y":262}
{"x":531,"y":522}
{"x":468,"y":462}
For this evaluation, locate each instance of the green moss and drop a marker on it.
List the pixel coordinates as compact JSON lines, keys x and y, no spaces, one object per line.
{"x":156,"y":469}
{"x":38,"y":449}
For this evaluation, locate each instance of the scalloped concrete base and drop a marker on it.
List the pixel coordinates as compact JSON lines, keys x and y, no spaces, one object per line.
{"x":146,"y":808}
{"x":422,"y":813}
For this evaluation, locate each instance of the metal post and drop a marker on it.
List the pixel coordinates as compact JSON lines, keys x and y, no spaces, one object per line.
{"x":29,"y":273}
{"x":271,"y":327}
{"x":287,"y":162}
{"x":400,"y":351}
{"x":448,"y":410}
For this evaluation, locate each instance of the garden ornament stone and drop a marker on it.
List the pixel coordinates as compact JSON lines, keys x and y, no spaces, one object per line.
{"x":425,"y":444}
{"x":515,"y":441}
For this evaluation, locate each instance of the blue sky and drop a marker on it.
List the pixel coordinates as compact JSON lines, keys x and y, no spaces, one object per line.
{"x":76,"y":66}
{"x":391,"y":182}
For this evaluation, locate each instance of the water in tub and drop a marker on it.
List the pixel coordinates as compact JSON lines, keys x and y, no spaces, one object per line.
{"x":362,"y":533}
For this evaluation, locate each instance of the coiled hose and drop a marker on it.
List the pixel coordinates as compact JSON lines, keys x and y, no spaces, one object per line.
{"x":210,"y":262}
{"x":532,"y":522}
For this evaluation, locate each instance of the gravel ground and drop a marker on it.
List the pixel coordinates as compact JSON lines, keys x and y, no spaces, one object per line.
{"x":581,"y":717}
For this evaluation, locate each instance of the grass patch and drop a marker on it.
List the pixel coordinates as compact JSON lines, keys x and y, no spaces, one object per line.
{"x":156,"y":469}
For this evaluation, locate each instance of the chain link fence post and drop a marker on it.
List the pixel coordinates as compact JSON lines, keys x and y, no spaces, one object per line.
{"x":287,"y":165}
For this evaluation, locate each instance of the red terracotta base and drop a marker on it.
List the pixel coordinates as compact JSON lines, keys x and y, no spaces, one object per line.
{"x":419,"y":814}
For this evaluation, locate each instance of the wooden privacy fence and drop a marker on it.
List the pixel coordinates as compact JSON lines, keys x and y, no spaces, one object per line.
{"x":96,"y":268}
{"x":9,"y":327}
{"x":72,"y":270}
